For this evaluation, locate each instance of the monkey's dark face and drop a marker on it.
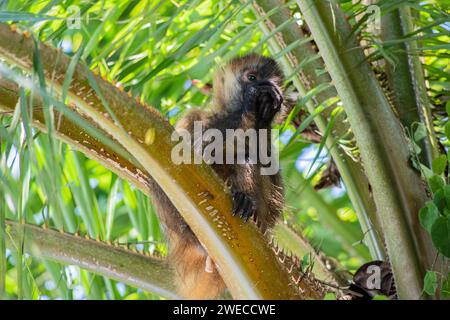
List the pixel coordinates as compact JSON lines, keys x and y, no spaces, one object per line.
{"x":249,"y":80}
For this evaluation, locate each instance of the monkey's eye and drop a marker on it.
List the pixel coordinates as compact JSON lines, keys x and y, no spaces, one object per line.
{"x":251,"y":77}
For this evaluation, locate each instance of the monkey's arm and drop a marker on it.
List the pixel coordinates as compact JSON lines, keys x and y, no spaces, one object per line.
{"x":243,"y":189}
{"x":255,"y":109}
{"x":240,"y":178}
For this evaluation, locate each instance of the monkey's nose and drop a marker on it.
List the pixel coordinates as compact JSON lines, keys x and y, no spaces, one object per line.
{"x":264,"y":83}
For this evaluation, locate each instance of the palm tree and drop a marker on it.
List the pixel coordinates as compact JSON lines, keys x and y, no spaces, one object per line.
{"x":81,"y":148}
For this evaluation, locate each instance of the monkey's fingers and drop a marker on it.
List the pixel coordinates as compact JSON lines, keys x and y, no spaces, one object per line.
{"x":279,"y":94}
{"x":248,"y":210}
{"x":269,"y":105}
{"x":243,"y":205}
{"x":277,"y":98}
{"x":238,"y":199}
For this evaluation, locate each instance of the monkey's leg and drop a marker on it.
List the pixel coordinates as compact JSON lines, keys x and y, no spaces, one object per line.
{"x":196,"y":276}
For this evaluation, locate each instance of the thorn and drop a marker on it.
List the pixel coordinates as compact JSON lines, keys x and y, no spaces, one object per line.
{"x":291,"y":268}
{"x":295,"y":262}
{"x":130,"y":94}
{"x":26,"y":34}
{"x":77,"y":234}
{"x":276,"y":249}
{"x":13,"y":27}
{"x":301,"y":277}
{"x":95,"y":72}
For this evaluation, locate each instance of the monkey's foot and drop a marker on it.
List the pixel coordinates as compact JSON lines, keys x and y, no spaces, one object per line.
{"x":209,"y":265}
{"x":243,"y":205}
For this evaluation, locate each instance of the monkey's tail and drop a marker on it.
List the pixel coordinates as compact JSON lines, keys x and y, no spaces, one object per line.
{"x":196,"y":275}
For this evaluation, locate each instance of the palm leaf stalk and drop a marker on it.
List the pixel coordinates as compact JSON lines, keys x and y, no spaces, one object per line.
{"x":324,"y":268}
{"x":305,"y":80}
{"x":249,"y":267}
{"x":115,"y":159}
{"x":398,"y":191}
{"x":406,"y":79}
{"x":133,"y":268}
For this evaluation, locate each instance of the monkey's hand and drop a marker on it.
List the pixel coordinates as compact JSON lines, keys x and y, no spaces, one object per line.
{"x":268,"y":104}
{"x":264,"y":100}
{"x":243,"y":204}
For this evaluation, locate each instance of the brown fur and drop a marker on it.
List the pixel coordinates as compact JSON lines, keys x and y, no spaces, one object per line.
{"x":187,"y":256}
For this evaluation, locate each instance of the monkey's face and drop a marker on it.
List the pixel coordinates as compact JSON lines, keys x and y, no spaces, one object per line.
{"x":251,"y":82}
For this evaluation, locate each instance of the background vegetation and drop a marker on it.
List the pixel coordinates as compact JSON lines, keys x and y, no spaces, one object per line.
{"x":163,"y":53}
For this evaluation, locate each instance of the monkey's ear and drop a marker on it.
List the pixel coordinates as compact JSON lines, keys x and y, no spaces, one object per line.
{"x":206,"y":89}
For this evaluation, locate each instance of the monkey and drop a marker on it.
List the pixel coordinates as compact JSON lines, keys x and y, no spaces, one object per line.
{"x":247,"y":94}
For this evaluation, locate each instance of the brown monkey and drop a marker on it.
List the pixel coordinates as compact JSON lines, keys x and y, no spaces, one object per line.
{"x":246,"y":94}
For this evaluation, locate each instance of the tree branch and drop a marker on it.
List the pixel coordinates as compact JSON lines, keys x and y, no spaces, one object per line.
{"x":148,"y":273}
